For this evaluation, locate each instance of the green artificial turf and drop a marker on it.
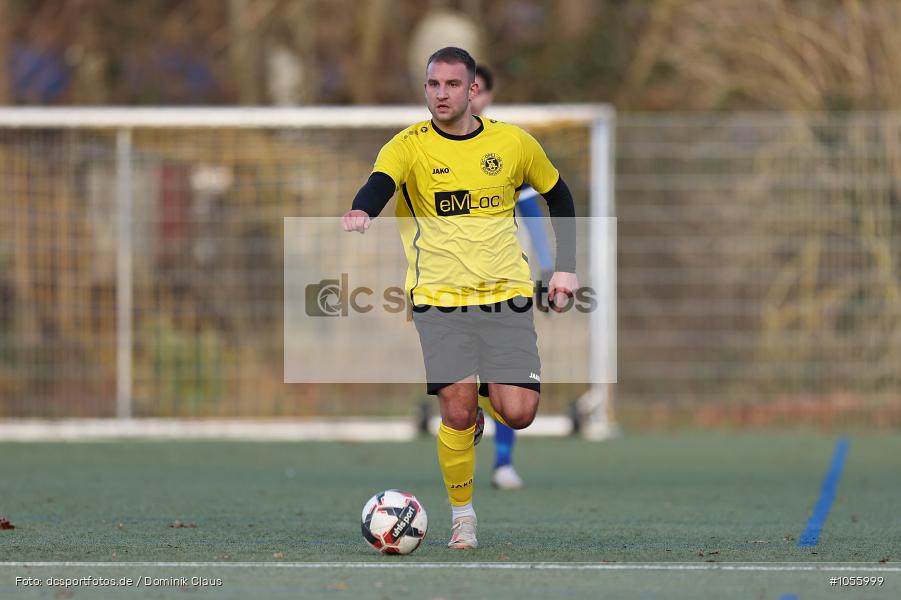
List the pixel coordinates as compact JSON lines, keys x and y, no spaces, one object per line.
{"x":697,"y":498}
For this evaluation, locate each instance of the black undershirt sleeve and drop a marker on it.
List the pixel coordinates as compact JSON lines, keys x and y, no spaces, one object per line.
{"x":374,"y":194}
{"x":563,"y":220}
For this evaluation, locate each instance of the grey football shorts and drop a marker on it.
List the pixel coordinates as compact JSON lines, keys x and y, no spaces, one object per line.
{"x":496,"y":341}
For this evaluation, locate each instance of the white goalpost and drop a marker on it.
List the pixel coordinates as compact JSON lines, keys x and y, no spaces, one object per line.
{"x":147,"y":293}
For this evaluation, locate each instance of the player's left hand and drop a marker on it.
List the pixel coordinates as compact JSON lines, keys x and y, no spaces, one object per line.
{"x":561,"y":286}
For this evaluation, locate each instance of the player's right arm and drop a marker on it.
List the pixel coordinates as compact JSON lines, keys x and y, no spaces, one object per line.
{"x":369,"y":202}
{"x":390,"y":171}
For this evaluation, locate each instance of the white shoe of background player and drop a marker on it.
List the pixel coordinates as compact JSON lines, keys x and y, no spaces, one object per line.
{"x":506,"y":478}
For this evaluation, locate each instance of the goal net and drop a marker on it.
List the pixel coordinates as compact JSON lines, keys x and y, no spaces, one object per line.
{"x":144,"y":272}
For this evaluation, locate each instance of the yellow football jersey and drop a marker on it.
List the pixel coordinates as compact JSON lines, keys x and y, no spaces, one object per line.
{"x":459,"y":193}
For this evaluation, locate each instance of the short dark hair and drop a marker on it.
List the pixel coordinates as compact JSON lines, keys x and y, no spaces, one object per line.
{"x":453,"y":55}
{"x":486,"y":75}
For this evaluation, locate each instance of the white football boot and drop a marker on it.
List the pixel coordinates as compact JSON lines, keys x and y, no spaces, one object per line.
{"x":463,"y":534}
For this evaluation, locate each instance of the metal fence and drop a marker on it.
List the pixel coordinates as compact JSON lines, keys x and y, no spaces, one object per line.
{"x":760,"y":265}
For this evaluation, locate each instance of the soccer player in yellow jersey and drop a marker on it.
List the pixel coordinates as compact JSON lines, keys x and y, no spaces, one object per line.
{"x":468,"y":278}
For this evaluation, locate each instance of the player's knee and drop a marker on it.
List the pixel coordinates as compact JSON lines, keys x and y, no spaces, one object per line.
{"x":522,"y":415}
{"x":459,"y":417}
{"x":520,"y":420}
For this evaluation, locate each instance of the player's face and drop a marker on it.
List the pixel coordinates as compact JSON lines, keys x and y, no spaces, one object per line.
{"x":482,"y":99}
{"x":448,"y":91}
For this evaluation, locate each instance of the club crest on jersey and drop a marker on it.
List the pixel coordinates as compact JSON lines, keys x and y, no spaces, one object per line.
{"x":492,"y":164}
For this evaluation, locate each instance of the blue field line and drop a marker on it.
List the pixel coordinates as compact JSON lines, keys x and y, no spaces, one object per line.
{"x":789,"y":597}
{"x":811,"y":535}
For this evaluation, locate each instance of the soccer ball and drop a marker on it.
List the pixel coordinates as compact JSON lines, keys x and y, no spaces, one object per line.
{"x":394,"y":522}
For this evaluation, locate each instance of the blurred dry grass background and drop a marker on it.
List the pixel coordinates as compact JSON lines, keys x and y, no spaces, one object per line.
{"x":640,"y":54}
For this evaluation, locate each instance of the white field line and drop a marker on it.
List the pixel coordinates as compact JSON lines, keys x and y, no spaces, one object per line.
{"x":273,"y":430}
{"x":266,"y":430}
{"x":539,"y":566}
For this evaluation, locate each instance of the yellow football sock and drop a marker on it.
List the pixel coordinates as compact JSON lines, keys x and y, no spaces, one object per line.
{"x":485,"y":404}
{"x":457,"y":457}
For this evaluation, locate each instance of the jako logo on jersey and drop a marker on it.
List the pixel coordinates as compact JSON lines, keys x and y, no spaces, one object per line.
{"x":461,"y":202}
{"x":535,"y":377}
{"x":492,"y":164}
{"x":440,"y":171}
{"x":461,"y":485}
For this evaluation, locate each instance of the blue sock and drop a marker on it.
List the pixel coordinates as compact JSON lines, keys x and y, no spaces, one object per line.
{"x":504,"y":438}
